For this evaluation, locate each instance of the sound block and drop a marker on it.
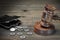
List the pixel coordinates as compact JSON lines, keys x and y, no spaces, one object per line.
{"x":41,"y":30}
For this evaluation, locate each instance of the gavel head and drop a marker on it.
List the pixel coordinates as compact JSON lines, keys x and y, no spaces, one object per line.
{"x":49,"y":7}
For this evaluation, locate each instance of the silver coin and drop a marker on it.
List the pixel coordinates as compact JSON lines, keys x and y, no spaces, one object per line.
{"x":26,"y":30}
{"x":19,"y":29}
{"x":12,"y":29}
{"x":29,"y":33}
{"x":12,"y":33}
{"x":23,"y":37}
{"x":19,"y":33}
